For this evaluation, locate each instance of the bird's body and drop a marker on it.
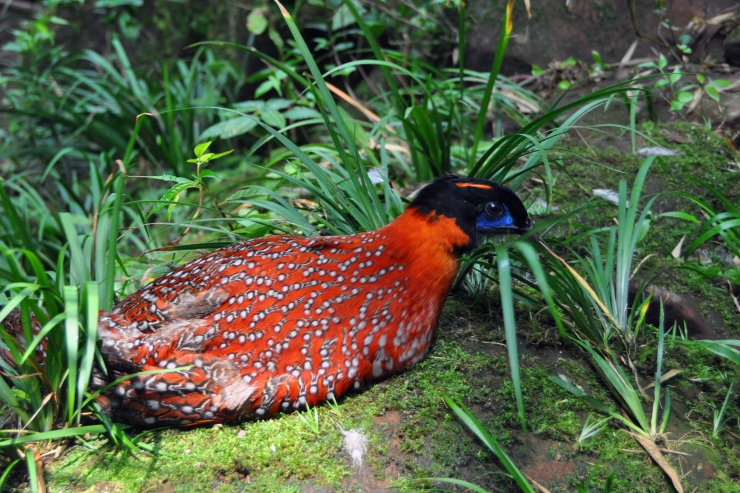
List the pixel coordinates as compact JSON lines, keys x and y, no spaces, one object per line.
{"x":281,"y":322}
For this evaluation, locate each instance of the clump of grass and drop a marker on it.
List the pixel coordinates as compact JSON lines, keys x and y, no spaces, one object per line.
{"x":591,"y":428}
{"x":59,"y":314}
{"x":719,"y":415}
{"x":87,"y":102}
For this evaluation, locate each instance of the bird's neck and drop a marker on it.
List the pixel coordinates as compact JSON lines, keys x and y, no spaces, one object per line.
{"x":429,"y":243}
{"x":428,"y":246}
{"x":428,"y":234}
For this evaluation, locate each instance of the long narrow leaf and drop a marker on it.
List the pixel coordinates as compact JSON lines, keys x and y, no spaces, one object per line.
{"x":71,"y":342}
{"x":507,"y":307}
{"x":472,"y":423}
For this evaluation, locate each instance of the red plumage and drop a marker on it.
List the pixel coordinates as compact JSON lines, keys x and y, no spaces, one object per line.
{"x":280,"y":322}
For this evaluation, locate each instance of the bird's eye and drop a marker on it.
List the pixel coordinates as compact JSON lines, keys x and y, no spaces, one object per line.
{"x":494,"y":209}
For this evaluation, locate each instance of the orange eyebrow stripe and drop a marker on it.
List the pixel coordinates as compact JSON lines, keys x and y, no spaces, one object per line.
{"x":473,"y":185}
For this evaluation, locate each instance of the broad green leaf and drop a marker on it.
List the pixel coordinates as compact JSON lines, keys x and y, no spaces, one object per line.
{"x":660,"y":83}
{"x":250,"y":106}
{"x":254,"y":226}
{"x":676,"y":105}
{"x":301,"y":113}
{"x":230,"y":128}
{"x":278,"y":104}
{"x":207,"y":173}
{"x":172,"y":195}
{"x":273,"y":118}
{"x":343,"y":16}
{"x":210,"y":156}
{"x":201,"y":148}
{"x":276,"y":38}
{"x":719,"y":83}
{"x":644,"y":228}
{"x":266,"y":86}
{"x":257,"y":21}
{"x":684,"y":97}
{"x":177,"y":179}
{"x":675,"y":76}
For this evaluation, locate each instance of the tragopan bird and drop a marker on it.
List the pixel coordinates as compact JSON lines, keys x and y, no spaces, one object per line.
{"x":281,"y":322}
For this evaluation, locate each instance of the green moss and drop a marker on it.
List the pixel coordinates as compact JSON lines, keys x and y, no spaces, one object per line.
{"x":271,"y":453}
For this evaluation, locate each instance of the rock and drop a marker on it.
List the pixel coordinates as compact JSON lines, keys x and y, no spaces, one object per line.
{"x":731,"y":105}
{"x":732,"y":48}
{"x":681,"y":309}
{"x":558,"y":30}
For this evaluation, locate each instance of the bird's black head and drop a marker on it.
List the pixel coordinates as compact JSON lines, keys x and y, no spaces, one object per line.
{"x":477,"y":206}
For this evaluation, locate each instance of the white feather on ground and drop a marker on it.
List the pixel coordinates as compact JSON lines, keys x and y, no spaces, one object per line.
{"x":608,"y":195}
{"x":656,"y":151}
{"x":355,"y":444}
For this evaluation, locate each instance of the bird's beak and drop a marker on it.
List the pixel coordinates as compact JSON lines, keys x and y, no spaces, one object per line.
{"x":521,"y":230}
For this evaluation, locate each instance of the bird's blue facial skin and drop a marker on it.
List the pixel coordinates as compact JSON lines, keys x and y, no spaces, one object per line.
{"x":488,"y":225}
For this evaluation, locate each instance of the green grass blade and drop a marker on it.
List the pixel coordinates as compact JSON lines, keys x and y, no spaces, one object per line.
{"x":114,"y":211}
{"x":59,"y":318}
{"x":658,"y":372}
{"x":33,"y":478}
{"x":20,"y":228}
{"x":323,"y":89}
{"x":728,"y":225}
{"x":71,"y":343}
{"x":598,"y":405}
{"x":723,"y":349}
{"x":394,"y":90}
{"x":55,"y":435}
{"x":530,"y":257}
{"x":79,"y":269}
{"x":472,"y":423}
{"x":507,"y":306}
{"x":458,"y":482}
{"x":623,"y":390}
{"x":498,"y":60}
{"x":92,"y":302}
{"x":666,"y":410}
{"x":718,"y":416}
{"x":6,"y":473}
